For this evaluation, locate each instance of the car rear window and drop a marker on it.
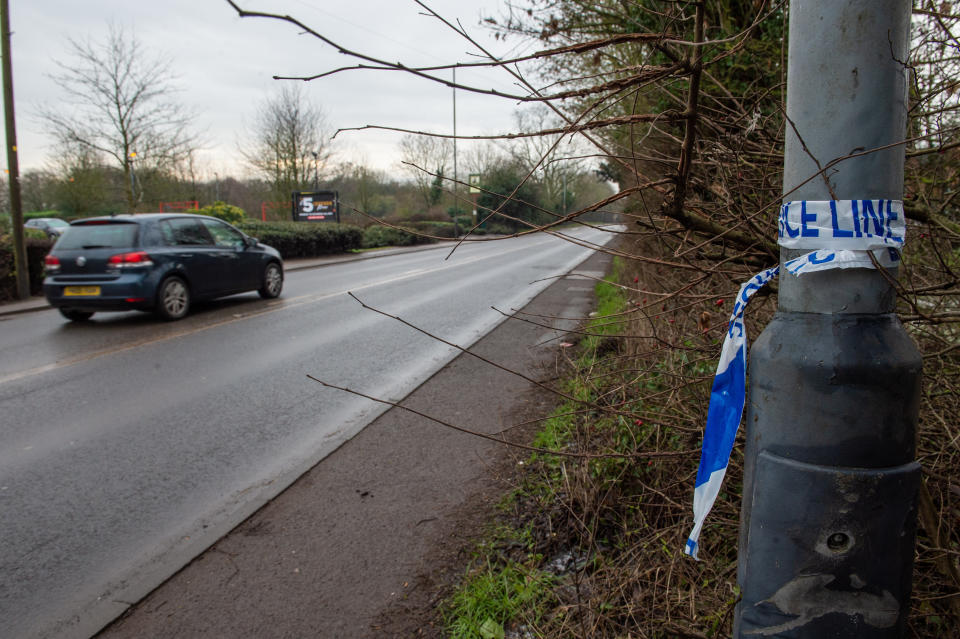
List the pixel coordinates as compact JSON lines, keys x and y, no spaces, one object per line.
{"x":105,"y":235}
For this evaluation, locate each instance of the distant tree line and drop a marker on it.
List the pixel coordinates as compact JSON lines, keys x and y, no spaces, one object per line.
{"x":126,"y":144}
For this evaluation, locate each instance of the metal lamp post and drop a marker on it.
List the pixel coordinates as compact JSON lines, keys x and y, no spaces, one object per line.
{"x":829,"y":517}
{"x":456,"y":203}
{"x":133,"y":187}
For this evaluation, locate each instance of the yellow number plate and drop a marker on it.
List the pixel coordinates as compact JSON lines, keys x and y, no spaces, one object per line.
{"x":81,"y":291}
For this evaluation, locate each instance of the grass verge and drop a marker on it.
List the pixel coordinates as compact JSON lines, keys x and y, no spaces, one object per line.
{"x":601,"y":534}
{"x":596,"y":541}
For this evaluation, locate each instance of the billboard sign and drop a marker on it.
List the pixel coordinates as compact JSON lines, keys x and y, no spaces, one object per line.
{"x":316,"y":206}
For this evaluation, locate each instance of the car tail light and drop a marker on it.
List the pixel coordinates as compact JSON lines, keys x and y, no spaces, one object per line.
{"x":128,"y":260}
{"x":51,"y":263}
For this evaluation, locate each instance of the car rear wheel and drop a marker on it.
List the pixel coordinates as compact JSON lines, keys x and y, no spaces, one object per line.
{"x":272,"y":281}
{"x":173,"y":299}
{"x":74,"y":315}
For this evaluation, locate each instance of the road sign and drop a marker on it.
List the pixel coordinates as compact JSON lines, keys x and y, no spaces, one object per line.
{"x":474,"y":182}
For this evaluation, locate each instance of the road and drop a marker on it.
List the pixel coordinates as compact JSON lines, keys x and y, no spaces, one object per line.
{"x":127,"y":446}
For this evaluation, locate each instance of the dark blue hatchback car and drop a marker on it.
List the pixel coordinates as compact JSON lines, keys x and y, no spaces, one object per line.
{"x":159,"y":262}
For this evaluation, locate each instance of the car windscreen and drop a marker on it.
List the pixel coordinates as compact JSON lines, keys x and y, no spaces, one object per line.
{"x":103,"y":235}
{"x":57,"y":223}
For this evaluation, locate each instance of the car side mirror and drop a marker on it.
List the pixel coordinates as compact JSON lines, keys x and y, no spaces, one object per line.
{"x":250,"y":242}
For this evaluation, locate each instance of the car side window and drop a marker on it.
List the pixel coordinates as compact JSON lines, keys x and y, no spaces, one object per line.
{"x":166,"y":231}
{"x":184,"y":232}
{"x":223,"y":235}
{"x":153,"y":235}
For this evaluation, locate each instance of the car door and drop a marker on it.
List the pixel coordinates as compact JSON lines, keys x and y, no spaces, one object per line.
{"x":192,"y":247}
{"x":238,"y":266}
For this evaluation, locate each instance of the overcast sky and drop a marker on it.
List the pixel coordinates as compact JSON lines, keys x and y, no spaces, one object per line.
{"x":225,"y":65}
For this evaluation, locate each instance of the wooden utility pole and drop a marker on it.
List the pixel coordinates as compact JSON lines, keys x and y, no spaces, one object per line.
{"x":13,"y":166}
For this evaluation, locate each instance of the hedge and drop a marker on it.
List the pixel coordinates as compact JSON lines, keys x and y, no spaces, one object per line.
{"x":292,"y":239}
{"x":377,"y":235}
{"x":226,"y":212}
{"x":436,"y":229}
{"x":36,"y":214}
{"x":305,"y":239}
{"x":37,"y":249}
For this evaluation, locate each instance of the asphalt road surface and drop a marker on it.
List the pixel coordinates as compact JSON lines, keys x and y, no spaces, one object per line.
{"x":127,"y":445}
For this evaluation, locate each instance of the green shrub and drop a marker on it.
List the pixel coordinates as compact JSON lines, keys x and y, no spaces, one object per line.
{"x":436,"y":229}
{"x":502,"y":228}
{"x":378,"y":235}
{"x":305,"y":239}
{"x":35,"y":214}
{"x":226,"y":212}
{"x":37,"y":249}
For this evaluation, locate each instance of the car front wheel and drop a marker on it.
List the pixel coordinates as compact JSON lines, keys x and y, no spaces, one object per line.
{"x":74,"y":315}
{"x":173,"y":299}
{"x":272,"y":282}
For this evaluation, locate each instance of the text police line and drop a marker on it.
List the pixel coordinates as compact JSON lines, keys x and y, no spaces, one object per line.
{"x":842,"y":224}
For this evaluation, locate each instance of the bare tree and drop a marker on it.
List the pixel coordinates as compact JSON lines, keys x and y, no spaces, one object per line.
{"x":37,"y":186}
{"x":555,"y":156}
{"x":367,"y":181}
{"x":85,"y":186}
{"x":119,"y":102}
{"x":425,"y":158}
{"x":288,"y":143}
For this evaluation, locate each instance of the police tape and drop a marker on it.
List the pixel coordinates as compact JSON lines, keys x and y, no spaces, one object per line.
{"x":857,"y":225}
{"x":844,"y":234}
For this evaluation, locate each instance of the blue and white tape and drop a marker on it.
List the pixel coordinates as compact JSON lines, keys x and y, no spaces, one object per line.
{"x":843,"y":234}
{"x":856,"y":225}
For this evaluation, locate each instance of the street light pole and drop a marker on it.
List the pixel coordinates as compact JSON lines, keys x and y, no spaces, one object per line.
{"x":133,"y":188}
{"x":456,"y":203}
{"x":828,"y":520}
{"x":564,"y":190}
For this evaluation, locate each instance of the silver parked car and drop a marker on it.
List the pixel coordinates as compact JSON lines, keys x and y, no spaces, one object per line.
{"x":52,"y":226}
